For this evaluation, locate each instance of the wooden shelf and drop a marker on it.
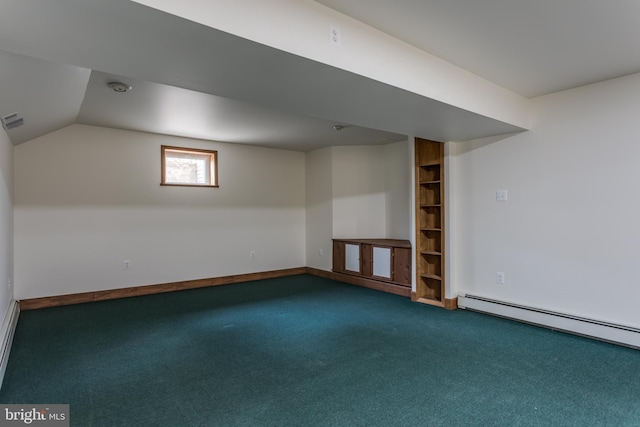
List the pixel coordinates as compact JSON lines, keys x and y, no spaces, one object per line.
{"x":431,"y":276}
{"x":430,"y":253}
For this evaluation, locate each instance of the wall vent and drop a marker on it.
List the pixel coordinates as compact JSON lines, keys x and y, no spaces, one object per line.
{"x":12,"y":121}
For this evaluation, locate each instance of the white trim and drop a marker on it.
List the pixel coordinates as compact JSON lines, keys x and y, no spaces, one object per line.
{"x":412,"y":212}
{"x":6,"y":333}
{"x":604,"y":331}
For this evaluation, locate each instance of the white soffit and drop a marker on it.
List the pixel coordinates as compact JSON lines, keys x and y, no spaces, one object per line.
{"x":302,"y":28}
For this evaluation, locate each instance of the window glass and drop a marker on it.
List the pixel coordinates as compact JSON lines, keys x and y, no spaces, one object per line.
{"x":186,"y":166}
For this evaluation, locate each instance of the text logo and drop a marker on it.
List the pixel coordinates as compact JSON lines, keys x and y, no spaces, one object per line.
{"x":34,"y":415}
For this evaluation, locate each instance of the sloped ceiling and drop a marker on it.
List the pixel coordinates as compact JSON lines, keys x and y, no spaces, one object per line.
{"x":48,"y":93}
{"x":129,"y":41}
{"x":191,"y":80}
{"x":50,"y":96}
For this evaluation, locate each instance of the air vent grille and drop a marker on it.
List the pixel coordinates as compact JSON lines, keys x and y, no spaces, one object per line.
{"x":12,"y":121}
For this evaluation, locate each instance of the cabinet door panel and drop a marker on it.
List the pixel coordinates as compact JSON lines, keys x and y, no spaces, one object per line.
{"x":338,"y":256}
{"x":402,"y":265}
{"x":382,"y":262}
{"x":352,"y":257}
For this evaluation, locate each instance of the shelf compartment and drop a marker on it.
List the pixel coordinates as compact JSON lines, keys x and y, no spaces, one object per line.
{"x":430,"y":241}
{"x":430,"y":288}
{"x":429,"y":173}
{"x":430,"y":194}
{"x":430,"y":217}
{"x":429,"y":152}
{"x":431,"y":266}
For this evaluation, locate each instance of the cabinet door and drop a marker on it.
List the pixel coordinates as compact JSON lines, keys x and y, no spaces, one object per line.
{"x":382,"y":262}
{"x":352,"y":257}
{"x":402,"y":265}
{"x":338,"y":256}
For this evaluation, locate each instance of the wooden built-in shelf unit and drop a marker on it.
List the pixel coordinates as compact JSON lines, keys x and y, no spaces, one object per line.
{"x":430,"y":223}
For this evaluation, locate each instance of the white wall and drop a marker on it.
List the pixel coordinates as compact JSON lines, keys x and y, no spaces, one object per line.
{"x":319,"y":215}
{"x":359,"y":191}
{"x":6,"y":222}
{"x":568,"y":239}
{"x":88,"y":198}
{"x":399,"y":175}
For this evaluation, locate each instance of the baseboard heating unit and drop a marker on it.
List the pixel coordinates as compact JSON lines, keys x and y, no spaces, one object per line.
{"x":6,"y":336}
{"x":603,"y":331}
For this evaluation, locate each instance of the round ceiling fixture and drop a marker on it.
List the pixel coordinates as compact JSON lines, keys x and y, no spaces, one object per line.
{"x":119,"y":87}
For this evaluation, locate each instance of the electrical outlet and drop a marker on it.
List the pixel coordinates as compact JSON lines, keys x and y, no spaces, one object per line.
{"x":127,"y":264}
{"x":320,"y":251}
{"x":500,"y":278}
{"x":334,"y":36}
{"x":9,"y":283}
{"x":252,"y":254}
{"x":501,"y":195}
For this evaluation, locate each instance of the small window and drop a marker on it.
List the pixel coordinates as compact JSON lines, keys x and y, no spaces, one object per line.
{"x":189,"y":167}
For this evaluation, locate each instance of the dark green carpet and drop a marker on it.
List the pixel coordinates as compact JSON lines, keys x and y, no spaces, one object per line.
{"x":305,"y":351}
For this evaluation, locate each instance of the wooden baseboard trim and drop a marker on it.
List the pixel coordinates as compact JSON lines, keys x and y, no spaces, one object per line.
{"x":320,"y":273}
{"x":451,"y":304}
{"x":59,"y":300}
{"x":54,"y":301}
{"x":361,"y":281}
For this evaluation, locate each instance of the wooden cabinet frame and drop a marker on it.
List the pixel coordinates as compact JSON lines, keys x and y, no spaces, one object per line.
{"x":399,"y":267}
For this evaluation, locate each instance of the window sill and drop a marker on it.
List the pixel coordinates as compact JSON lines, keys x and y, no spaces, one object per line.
{"x":188,"y":185}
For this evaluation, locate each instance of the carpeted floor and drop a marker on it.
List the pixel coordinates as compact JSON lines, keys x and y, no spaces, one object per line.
{"x":306,"y":351}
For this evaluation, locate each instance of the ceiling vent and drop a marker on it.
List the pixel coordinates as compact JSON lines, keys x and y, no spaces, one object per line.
{"x":12,"y":121}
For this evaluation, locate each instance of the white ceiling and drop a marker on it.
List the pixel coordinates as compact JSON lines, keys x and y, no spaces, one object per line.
{"x":48,"y":93}
{"x":157,"y":108}
{"x":532,"y":47}
{"x":194,"y":81}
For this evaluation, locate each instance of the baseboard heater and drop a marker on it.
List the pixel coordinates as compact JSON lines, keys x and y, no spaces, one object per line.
{"x":6,"y":335}
{"x":596,"y":329}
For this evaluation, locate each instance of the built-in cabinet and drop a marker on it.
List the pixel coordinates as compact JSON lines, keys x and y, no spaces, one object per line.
{"x":430,"y":222}
{"x":384,"y":260}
